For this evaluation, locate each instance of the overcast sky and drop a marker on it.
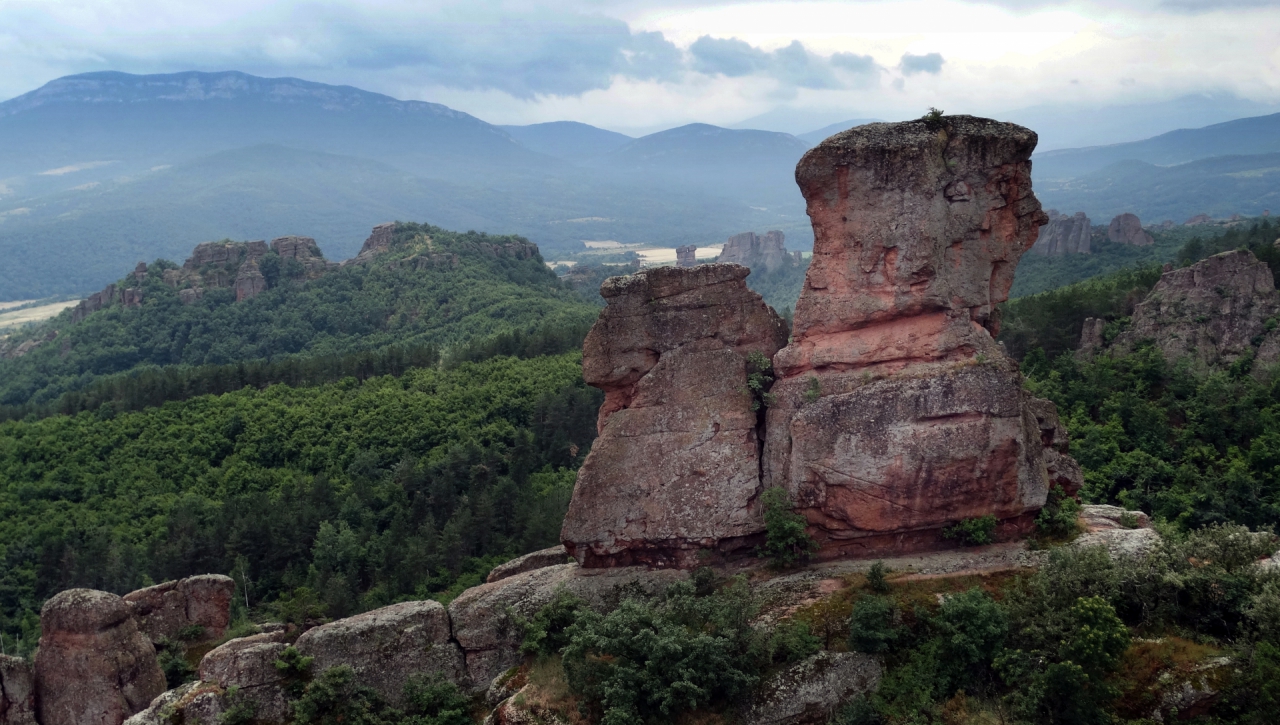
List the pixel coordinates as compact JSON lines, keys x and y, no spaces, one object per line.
{"x":645,"y":64}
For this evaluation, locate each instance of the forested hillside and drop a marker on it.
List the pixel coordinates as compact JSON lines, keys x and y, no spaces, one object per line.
{"x":399,"y":298}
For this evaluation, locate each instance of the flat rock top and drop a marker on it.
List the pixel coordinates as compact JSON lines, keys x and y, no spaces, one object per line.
{"x":663,"y":282}
{"x":82,"y":611}
{"x":908,"y":134}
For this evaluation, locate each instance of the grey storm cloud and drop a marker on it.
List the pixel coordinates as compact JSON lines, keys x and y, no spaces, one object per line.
{"x":793,"y":64}
{"x":927,"y":63}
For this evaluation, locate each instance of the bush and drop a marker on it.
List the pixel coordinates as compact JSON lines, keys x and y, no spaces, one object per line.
{"x":548,"y":632}
{"x":1060,"y":517}
{"x":172,"y":657}
{"x":786,"y":539}
{"x":871,"y":625}
{"x":971,"y":628}
{"x":972,"y":532}
{"x":876,"y":580}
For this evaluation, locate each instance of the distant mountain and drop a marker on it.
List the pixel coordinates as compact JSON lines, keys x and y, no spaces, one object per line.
{"x":1245,"y":136}
{"x":1217,"y":186}
{"x":568,"y":140}
{"x":77,"y":240}
{"x":813,"y":138}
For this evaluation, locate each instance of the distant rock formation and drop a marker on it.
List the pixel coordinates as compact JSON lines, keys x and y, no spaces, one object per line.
{"x":678,"y":424}
{"x":1214,"y":312}
{"x":1127,"y":229}
{"x":94,"y":666}
{"x":306,"y":252}
{"x":1198,"y":219}
{"x":110,"y":295}
{"x":896,"y":413}
{"x":687,"y":256}
{"x":1064,"y":235}
{"x":174,"y":608}
{"x":764,"y":254}
{"x":10,"y":350}
{"x":379,"y":241}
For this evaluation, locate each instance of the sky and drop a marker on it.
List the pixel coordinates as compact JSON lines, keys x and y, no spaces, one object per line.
{"x":640,"y":65}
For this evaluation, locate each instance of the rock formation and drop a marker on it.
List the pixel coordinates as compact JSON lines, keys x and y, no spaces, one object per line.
{"x":94,"y":667}
{"x":17,"y":692}
{"x":535,"y":560}
{"x":110,"y":295}
{"x":687,"y":256}
{"x":1127,"y":229}
{"x":675,"y":469}
{"x":810,"y":691}
{"x":379,"y":241}
{"x":896,"y":413}
{"x":1214,"y":311}
{"x":1064,"y":235}
{"x":387,"y":646}
{"x":762,"y":254}
{"x":306,"y":252}
{"x":176,"y":608}
{"x":1197,"y":220}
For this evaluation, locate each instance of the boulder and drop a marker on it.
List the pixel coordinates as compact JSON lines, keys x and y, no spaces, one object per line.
{"x":1120,"y":543}
{"x":173,"y":610}
{"x":1127,"y":229}
{"x":896,"y":413}
{"x":386,"y":646}
{"x":94,"y":666}
{"x":195,"y":703}
{"x":536,"y":560}
{"x":1064,"y":235}
{"x":675,"y":469}
{"x":17,"y":692}
{"x":758,"y":253}
{"x":687,"y":256}
{"x":1214,"y":312}
{"x":1102,"y":517}
{"x":248,"y":664}
{"x":140,"y":272}
{"x":483,"y":621}
{"x":810,"y":691}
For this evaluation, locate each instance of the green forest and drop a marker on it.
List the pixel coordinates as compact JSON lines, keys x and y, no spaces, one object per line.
{"x":360,"y":307}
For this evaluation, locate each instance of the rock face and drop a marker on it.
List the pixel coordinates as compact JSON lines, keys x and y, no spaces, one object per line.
{"x":306,"y":252}
{"x":17,"y":692}
{"x":1127,"y":229}
{"x":687,"y":256}
{"x":1214,"y":312}
{"x":675,"y":469}
{"x":536,"y":560}
{"x":378,"y":242}
{"x":248,"y":664}
{"x":1064,"y":235}
{"x":94,"y":667}
{"x":110,"y":295}
{"x":166,"y":610}
{"x":896,"y":413}
{"x":387,"y":646}
{"x":810,"y":691}
{"x":1197,"y":220}
{"x":765,"y":254}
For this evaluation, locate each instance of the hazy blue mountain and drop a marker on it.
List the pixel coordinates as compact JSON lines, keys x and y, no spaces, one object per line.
{"x":1062,"y":125}
{"x":1218,"y":186}
{"x":1244,"y":136}
{"x":813,"y":138}
{"x":568,"y":140}
{"x":79,"y":240}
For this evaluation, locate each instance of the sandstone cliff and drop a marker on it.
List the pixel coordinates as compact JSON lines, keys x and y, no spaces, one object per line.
{"x":1064,"y":235}
{"x":759,"y":253}
{"x":1127,"y":229}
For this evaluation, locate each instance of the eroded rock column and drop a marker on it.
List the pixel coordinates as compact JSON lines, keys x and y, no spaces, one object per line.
{"x":897,"y":413}
{"x":676,"y":468}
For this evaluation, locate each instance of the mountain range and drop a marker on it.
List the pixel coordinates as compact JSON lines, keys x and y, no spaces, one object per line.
{"x":109,"y":168}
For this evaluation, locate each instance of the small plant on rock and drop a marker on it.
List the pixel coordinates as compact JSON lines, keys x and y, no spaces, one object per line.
{"x":759,"y":379}
{"x":812,"y":389}
{"x":933,"y":119}
{"x":786,"y":540}
{"x":1059,"y":519}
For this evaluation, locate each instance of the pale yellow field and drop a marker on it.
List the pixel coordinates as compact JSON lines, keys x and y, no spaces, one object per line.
{"x":13,"y":319}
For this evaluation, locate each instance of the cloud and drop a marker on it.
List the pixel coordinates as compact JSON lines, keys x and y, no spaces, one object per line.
{"x":793,"y":65}
{"x":727,"y":56}
{"x":927,"y":63}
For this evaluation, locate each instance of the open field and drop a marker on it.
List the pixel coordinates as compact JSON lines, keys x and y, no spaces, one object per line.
{"x":17,"y":318}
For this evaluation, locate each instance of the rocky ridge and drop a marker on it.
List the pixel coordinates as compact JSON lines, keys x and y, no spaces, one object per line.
{"x":766,"y":253}
{"x":1127,"y":229}
{"x":1064,"y":235}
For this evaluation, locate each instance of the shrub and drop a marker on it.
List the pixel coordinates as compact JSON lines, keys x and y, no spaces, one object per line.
{"x":871,"y":625}
{"x":294,"y":669}
{"x":240,"y":709}
{"x":971,"y":628}
{"x":759,"y":379}
{"x":172,"y":657}
{"x":972,"y":532}
{"x":1060,"y":517}
{"x":876,"y":579}
{"x":548,"y":632}
{"x":786,"y":540}
{"x":812,"y":389}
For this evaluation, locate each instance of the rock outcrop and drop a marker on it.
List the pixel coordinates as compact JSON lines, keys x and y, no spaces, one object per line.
{"x":675,"y":469}
{"x":110,"y":295}
{"x":379,"y":241}
{"x":306,"y":252}
{"x":810,"y":691}
{"x":1064,"y":235}
{"x":1215,"y":311}
{"x":687,"y":256}
{"x":535,"y":560}
{"x":387,"y":646}
{"x":197,"y":609}
{"x":896,"y":413}
{"x":17,"y":692}
{"x":759,"y":253}
{"x":1197,"y":220}
{"x":1127,"y":229}
{"x":94,"y":666}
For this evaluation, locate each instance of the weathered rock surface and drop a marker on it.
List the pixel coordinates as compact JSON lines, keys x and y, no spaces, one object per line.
{"x":1197,"y":220}
{"x":1127,"y":229}
{"x":1064,"y":235}
{"x":536,"y":560}
{"x":11,"y":349}
{"x":17,"y":692}
{"x":387,"y":646}
{"x":248,"y":664}
{"x":195,"y":703}
{"x":481,"y":616}
{"x":1102,"y":517}
{"x":165,"y":610}
{"x":760,"y":253}
{"x":94,"y":667}
{"x":687,"y":256}
{"x":811,"y":690}
{"x":110,"y":295}
{"x":896,"y":413}
{"x":675,"y":470}
{"x":378,"y":242}
{"x":306,"y":252}
{"x":1214,"y":312}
